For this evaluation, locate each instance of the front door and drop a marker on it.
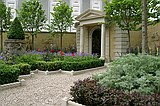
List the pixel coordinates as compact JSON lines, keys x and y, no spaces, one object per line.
{"x":96,"y":42}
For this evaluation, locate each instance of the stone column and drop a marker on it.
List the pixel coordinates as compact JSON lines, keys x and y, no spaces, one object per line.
{"x":81,"y":39}
{"x":102,"y":41}
{"x":107,"y":45}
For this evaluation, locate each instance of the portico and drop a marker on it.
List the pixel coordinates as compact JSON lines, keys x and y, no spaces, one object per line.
{"x":93,"y":36}
{"x":89,"y":21}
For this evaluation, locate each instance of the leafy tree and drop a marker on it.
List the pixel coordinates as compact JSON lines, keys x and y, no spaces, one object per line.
{"x":5,"y":16}
{"x":150,"y":14}
{"x":62,"y":19}
{"x":32,"y":17}
{"x":125,"y":13}
{"x":155,"y":11}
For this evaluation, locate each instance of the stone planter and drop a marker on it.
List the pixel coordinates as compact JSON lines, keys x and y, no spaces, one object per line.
{"x":21,"y":82}
{"x":15,"y":46}
{"x":67,"y":102}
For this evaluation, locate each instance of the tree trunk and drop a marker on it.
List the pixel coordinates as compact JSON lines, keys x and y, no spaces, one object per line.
{"x":1,"y":34}
{"x":129,"y":39}
{"x":1,"y":39}
{"x":144,"y":27}
{"x":61,"y":40}
{"x":32,"y":42}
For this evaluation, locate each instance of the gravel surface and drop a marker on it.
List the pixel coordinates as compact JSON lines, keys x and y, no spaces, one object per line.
{"x":42,"y":90}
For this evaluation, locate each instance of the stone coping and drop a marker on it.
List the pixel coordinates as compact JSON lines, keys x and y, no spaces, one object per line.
{"x":22,"y":78}
{"x":82,"y":71}
{"x":26,"y":76}
{"x":69,"y":72}
{"x":20,"y":82}
{"x":67,"y":102}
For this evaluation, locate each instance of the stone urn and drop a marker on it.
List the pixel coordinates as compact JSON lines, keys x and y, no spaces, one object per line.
{"x":15,"y":43}
{"x":15,"y":46}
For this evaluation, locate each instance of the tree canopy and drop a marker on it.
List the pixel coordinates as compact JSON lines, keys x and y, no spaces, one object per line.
{"x":5,"y":17}
{"x":62,"y":19}
{"x":32,"y":17}
{"x":125,"y":13}
{"x":154,"y":11}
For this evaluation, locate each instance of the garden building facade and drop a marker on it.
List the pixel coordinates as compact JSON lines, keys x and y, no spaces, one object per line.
{"x":91,"y":34}
{"x":94,"y":36}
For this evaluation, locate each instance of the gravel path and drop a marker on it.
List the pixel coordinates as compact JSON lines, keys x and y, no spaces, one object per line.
{"x":42,"y":90}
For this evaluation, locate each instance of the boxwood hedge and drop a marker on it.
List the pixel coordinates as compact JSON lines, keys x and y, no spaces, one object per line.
{"x":24,"y":68}
{"x":8,"y":74}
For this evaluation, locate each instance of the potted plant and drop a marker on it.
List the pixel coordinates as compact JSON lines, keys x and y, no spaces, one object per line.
{"x":15,"y":42}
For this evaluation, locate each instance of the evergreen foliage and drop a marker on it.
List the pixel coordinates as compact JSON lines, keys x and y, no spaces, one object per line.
{"x":16,"y":30}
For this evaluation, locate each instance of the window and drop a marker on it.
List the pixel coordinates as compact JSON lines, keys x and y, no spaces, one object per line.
{"x":52,"y":4}
{"x":76,"y":4}
{"x":12,"y":4}
{"x":96,"y":4}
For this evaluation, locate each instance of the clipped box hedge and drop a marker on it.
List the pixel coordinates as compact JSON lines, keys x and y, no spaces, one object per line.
{"x":65,"y":65}
{"x":68,"y":66}
{"x":50,"y":66}
{"x":34,"y":65}
{"x":24,"y":68}
{"x":8,"y":74}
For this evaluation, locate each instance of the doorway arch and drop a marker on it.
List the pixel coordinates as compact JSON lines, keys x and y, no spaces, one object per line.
{"x":96,"y":42}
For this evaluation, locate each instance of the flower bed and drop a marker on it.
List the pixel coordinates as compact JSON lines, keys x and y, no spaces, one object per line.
{"x":45,"y":61}
{"x":55,"y":61}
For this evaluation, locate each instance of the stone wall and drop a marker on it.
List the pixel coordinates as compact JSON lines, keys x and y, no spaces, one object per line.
{"x":44,"y":39}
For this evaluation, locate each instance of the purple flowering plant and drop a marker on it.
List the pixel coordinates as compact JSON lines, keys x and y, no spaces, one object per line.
{"x":30,"y":56}
{"x":8,"y":58}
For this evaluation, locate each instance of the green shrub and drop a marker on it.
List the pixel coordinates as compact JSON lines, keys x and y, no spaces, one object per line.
{"x":2,"y":62}
{"x":79,"y":58}
{"x":81,"y":65}
{"x":52,"y":66}
{"x":47,"y":56}
{"x":133,"y":73}
{"x":16,"y":30}
{"x":29,"y":59}
{"x":34,"y":65}
{"x":24,"y":68}
{"x":8,"y":74}
{"x":42,"y":65}
{"x":90,"y":93}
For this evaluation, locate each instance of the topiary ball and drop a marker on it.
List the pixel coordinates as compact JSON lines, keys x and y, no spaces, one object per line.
{"x":16,"y":30}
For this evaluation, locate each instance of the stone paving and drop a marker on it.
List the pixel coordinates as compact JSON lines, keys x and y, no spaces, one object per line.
{"x":42,"y":90}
